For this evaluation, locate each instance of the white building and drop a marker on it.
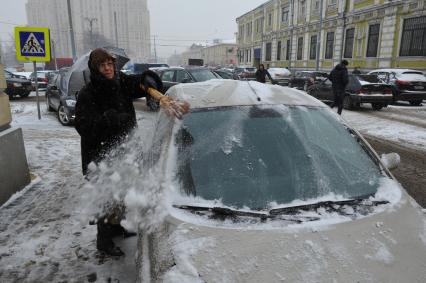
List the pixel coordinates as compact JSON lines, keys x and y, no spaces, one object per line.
{"x":221,"y":54}
{"x":94,"y":25}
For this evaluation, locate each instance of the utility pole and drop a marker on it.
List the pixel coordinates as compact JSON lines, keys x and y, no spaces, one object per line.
{"x":74,"y":56}
{"x":54,"y":54}
{"x":91,"y":20}
{"x":319,"y":39}
{"x":155,"y":50}
{"x":115,"y":25}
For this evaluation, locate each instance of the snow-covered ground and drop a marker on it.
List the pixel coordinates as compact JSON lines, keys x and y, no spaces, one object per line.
{"x":42,"y":234}
{"x":400,"y":124}
{"x":43,"y":237}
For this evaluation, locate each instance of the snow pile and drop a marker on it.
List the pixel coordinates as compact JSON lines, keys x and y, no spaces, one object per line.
{"x":130,"y":181}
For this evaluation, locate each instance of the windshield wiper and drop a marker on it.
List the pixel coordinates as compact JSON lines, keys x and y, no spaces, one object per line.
{"x":329,"y":205}
{"x":224,"y":211}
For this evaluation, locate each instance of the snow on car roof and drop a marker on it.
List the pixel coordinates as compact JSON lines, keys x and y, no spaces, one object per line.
{"x":398,"y":71}
{"x":218,"y":93}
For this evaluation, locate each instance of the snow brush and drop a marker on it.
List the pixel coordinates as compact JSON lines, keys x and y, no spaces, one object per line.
{"x":172,"y":106}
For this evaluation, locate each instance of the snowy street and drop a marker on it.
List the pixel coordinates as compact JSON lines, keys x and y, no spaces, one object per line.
{"x":44,"y":239}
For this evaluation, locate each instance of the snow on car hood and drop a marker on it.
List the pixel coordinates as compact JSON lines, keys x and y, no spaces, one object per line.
{"x":387,"y":245}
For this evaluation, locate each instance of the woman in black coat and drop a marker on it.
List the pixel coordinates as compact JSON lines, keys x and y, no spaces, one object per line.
{"x":104,"y":116}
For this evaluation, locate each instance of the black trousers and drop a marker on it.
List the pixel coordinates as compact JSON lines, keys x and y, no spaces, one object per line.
{"x":107,"y":231}
{"x":338,"y":100}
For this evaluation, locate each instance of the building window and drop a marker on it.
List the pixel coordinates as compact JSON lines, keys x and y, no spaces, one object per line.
{"x":413,"y":42}
{"x":302,"y":9}
{"x":299,"y":48}
{"x":332,"y":2}
{"x":284,"y":14}
{"x":373,"y":40}
{"x":269,"y":19}
{"x":287,"y":53}
{"x":313,"y":50}
{"x":329,"y":45}
{"x":268,"y":54}
{"x":279,"y":51}
{"x":316,"y":5}
{"x":349,"y":43}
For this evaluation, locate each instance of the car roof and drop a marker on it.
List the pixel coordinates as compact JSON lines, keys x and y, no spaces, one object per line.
{"x":221,"y":93}
{"x":399,"y":71}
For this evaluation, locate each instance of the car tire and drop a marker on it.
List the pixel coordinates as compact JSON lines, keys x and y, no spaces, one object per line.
{"x":348,"y":103}
{"x":152,"y":104}
{"x":26,"y":94}
{"x":416,"y":102}
{"x":377,"y":106}
{"x":63,"y":116}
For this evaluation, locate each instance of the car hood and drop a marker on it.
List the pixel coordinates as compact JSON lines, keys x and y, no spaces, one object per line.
{"x":388,"y":246}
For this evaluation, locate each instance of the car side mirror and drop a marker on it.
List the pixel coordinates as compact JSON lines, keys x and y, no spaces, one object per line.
{"x":390,"y":160}
{"x":186,"y":80}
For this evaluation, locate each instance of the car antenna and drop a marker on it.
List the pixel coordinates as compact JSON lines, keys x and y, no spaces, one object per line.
{"x":255,"y":93}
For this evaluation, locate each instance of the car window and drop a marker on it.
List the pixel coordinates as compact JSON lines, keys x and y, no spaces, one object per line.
{"x":168,"y":76}
{"x":181,"y":76}
{"x":201,"y":75}
{"x":382,"y":76}
{"x":251,"y":156}
{"x":368,"y":78}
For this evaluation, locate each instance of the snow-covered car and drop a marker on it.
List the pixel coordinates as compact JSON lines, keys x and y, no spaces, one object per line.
{"x":267,"y":184}
{"x":281,"y":76}
{"x":408,"y":85}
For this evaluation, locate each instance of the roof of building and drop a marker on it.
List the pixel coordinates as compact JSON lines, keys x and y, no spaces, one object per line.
{"x":219,"y":93}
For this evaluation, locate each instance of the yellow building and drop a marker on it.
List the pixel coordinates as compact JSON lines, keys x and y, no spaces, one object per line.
{"x":318,"y":34}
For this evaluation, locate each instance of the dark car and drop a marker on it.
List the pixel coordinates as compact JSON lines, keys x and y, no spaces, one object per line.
{"x":139,"y":68}
{"x":245,"y":73}
{"x":360,"y":89}
{"x":42,"y":79}
{"x":224,"y":74}
{"x":407,"y":85}
{"x":57,"y":100}
{"x":16,"y":85}
{"x":303,"y":79}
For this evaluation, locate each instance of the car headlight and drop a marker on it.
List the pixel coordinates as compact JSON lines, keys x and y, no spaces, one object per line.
{"x":70,"y":103}
{"x":17,"y":84}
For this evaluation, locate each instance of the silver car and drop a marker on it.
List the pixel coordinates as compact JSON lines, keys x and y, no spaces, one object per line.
{"x":270,"y":185}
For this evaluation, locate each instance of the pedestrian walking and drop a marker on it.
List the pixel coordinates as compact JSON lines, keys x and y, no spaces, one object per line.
{"x":104,"y":116}
{"x":261,"y":74}
{"x":339,"y":80}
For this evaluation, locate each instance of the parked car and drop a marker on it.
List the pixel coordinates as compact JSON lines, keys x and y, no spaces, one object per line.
{"x":267,"y":183}
{"x":42,"y":79}
{"x":303,"y":79}
{"x":360,"y":89}
{"x":24,"y":75}
{"x":16,"y":85}
{"x":224,"y":74}
{"x":139,"y":68}
{"x":59,"y":101}
{"x":245,"y":73}
{"x":280,"y":76}
{"x":407,"y":85}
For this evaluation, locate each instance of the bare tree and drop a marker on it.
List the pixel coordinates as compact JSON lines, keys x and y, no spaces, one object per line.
{"x":8,"y":52}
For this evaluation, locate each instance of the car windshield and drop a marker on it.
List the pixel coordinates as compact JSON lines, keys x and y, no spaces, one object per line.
{"x":202,"y":75}
{"x":369,"y":78}
{"x":252,"y":156}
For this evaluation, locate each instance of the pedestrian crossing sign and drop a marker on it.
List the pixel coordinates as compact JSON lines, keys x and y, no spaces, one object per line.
{"x":32,"y":44}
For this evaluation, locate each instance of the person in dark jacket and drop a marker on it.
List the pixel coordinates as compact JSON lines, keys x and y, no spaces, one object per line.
{"x":104,"y":116}
{"x":261,"y":74}
{"x":339,"y":79}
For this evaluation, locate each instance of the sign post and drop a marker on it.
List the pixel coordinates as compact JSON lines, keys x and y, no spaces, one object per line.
{"x":33,"y":44}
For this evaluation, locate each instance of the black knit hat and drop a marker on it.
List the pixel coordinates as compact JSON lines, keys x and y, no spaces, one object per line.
{"x":344,"y":62}
{"x":99,"y":56}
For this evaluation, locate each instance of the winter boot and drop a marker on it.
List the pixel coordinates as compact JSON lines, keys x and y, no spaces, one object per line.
{"x":104,"y":241}
{"x":119,"y":230}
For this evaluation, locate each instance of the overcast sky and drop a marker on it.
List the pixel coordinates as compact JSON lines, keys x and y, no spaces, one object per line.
{"x":173,"y":22}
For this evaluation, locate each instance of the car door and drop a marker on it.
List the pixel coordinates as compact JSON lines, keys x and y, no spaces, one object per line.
{"x":169,"y":79}
{"x":54,"y":93}
{"x":325,"y":90}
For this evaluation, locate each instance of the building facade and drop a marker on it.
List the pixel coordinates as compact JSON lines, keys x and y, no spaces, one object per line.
{"x":95,"y":23}
{"x":221,"y":54}
{"x":317,"y":34}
